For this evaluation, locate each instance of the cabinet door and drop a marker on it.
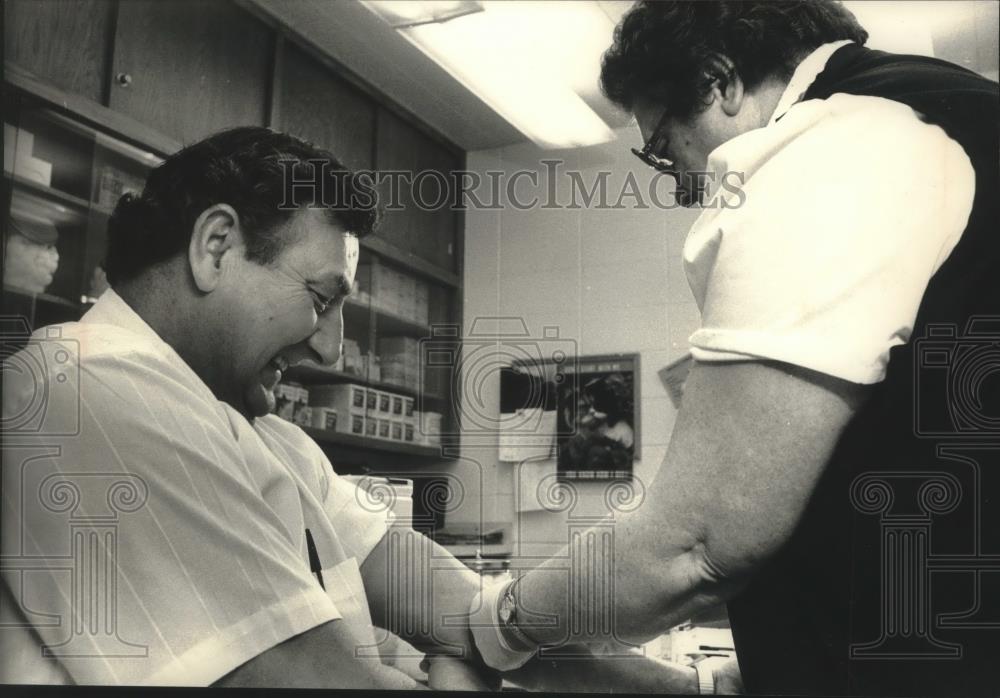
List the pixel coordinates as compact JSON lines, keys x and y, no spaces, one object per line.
{"x":322,"y":108}
{"x":196,"y":66}
{"x":427,"y":233}
{"x":64,"y":43}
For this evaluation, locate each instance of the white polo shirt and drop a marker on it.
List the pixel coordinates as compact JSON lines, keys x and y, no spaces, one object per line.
{"x":151,"y":534}
{"x":850,"y":204}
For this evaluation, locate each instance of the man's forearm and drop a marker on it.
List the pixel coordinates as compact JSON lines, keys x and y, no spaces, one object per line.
{"x":635,"y":586}
{"x":421,"y":592}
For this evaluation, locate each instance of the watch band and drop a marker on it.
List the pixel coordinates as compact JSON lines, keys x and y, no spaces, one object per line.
{"x":706,"y":678}
{"x":491,"y":641}
{"x":510,"y":628}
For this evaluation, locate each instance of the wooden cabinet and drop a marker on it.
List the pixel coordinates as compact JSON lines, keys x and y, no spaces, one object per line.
{"x":427,"y":231}
{"x":65,"y":43}
{"x":193,"y":67}
{"x":320,"y":107}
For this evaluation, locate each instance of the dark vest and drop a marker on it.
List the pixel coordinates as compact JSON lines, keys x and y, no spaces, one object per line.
{"x":890,"y":584}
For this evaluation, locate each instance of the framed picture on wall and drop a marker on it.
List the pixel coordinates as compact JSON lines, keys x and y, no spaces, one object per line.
{"x":593,"y":407}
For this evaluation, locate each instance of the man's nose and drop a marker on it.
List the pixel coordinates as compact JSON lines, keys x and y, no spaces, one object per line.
{"x":328,"y":337}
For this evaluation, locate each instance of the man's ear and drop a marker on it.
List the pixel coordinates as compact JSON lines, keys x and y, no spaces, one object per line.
{"x":727,"y":86}
{"x":215,"y":234}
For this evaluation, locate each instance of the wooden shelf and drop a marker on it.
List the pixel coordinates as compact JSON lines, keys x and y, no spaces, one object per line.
{"x":389,"y":323}
{"x":307,"y":374}
{"x":50,"y":192}
{"x":411,"y":261}
{"x":336,"y":438}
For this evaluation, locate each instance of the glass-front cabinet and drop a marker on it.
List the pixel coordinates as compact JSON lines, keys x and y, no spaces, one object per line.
{"x":61,"y":181}
{"x":378,"y":406}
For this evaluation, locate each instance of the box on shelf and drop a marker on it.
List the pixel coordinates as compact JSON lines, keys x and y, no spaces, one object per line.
{"x":400,"y":361}
{"x":402,"y":375}
{"x":19,"y":158}
{"x":430,"y":427}
{"x":291,"y":402}
{"x":347,"y":398}
{"x":357,"y":424}
{"x":302,"y":412}
{"x":351,"y":358}
{"x":384,"y":402}
{"x":400,"y":504}
{"x":326,"y":418}
{"x":370,"y":367}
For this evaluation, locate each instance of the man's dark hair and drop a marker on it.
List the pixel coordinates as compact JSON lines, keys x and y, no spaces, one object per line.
{"x":247,"y":168}
{"x":663,"y":50}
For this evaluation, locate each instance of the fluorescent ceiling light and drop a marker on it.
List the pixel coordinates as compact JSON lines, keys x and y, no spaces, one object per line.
{"x":517,"y":57}
{"x":401,"y":14}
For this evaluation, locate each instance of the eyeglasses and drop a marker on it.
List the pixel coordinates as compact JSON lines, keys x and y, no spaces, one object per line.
{"x":656,"y":144}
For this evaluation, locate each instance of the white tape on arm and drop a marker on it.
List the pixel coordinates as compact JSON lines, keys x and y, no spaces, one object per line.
{"x":485,"y":625}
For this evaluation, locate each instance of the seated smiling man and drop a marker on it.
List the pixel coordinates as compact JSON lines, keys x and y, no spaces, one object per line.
{"x":204,"y":516}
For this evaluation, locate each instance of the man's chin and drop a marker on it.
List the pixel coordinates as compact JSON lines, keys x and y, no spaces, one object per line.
{"x":687,"y":198}
{"x":258,"y":401}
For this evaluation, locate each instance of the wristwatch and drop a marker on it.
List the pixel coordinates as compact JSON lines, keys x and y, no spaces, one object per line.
{"x":507,"y":614}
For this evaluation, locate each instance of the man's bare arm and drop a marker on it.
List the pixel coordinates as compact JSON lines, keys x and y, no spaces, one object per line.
{"x":322,"y":657}
{"x":420,"y":592}
{"x":749,"y":444}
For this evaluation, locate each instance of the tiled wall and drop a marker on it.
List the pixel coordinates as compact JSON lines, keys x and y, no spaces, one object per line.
{"x":611,"y":280}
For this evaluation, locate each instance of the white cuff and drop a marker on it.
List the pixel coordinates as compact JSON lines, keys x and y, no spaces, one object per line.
{"x":485,"y":626}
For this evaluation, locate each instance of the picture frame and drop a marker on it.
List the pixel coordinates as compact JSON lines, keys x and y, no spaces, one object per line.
{"x":594,"y":433}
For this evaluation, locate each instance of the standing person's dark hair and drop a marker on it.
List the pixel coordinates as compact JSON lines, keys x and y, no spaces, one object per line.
{"x":247,"y":168}
{"x":663,"y":51}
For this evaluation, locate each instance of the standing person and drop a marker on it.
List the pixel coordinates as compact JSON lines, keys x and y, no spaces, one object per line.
{"x":866,"y":223}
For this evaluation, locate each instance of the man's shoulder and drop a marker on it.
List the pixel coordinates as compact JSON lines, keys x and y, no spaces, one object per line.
{"x":63,"y":365}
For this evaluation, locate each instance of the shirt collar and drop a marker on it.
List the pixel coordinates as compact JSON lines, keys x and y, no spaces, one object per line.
{"x":804,"y":76}
{"x":111,"y":309}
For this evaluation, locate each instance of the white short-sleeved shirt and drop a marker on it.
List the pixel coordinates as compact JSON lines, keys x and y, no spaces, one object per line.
{"x":849,"y":206}
{"x":151,"y":534}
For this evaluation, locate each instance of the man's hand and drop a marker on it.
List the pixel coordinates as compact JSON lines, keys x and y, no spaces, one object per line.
{"x":453,"y":674}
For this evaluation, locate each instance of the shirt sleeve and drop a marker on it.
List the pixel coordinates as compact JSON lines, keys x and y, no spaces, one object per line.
{"x":359,"y":519}
{"x":825,"y":263}
{"x":139,"y":540}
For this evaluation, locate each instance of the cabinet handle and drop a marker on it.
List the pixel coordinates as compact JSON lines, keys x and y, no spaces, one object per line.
{"x":123,"y":79}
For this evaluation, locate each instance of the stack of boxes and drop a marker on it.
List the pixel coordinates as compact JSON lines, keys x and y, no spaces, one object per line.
{"x":395,"y":292}
{"x":363,"y":411}
{"x":399,"y":359}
